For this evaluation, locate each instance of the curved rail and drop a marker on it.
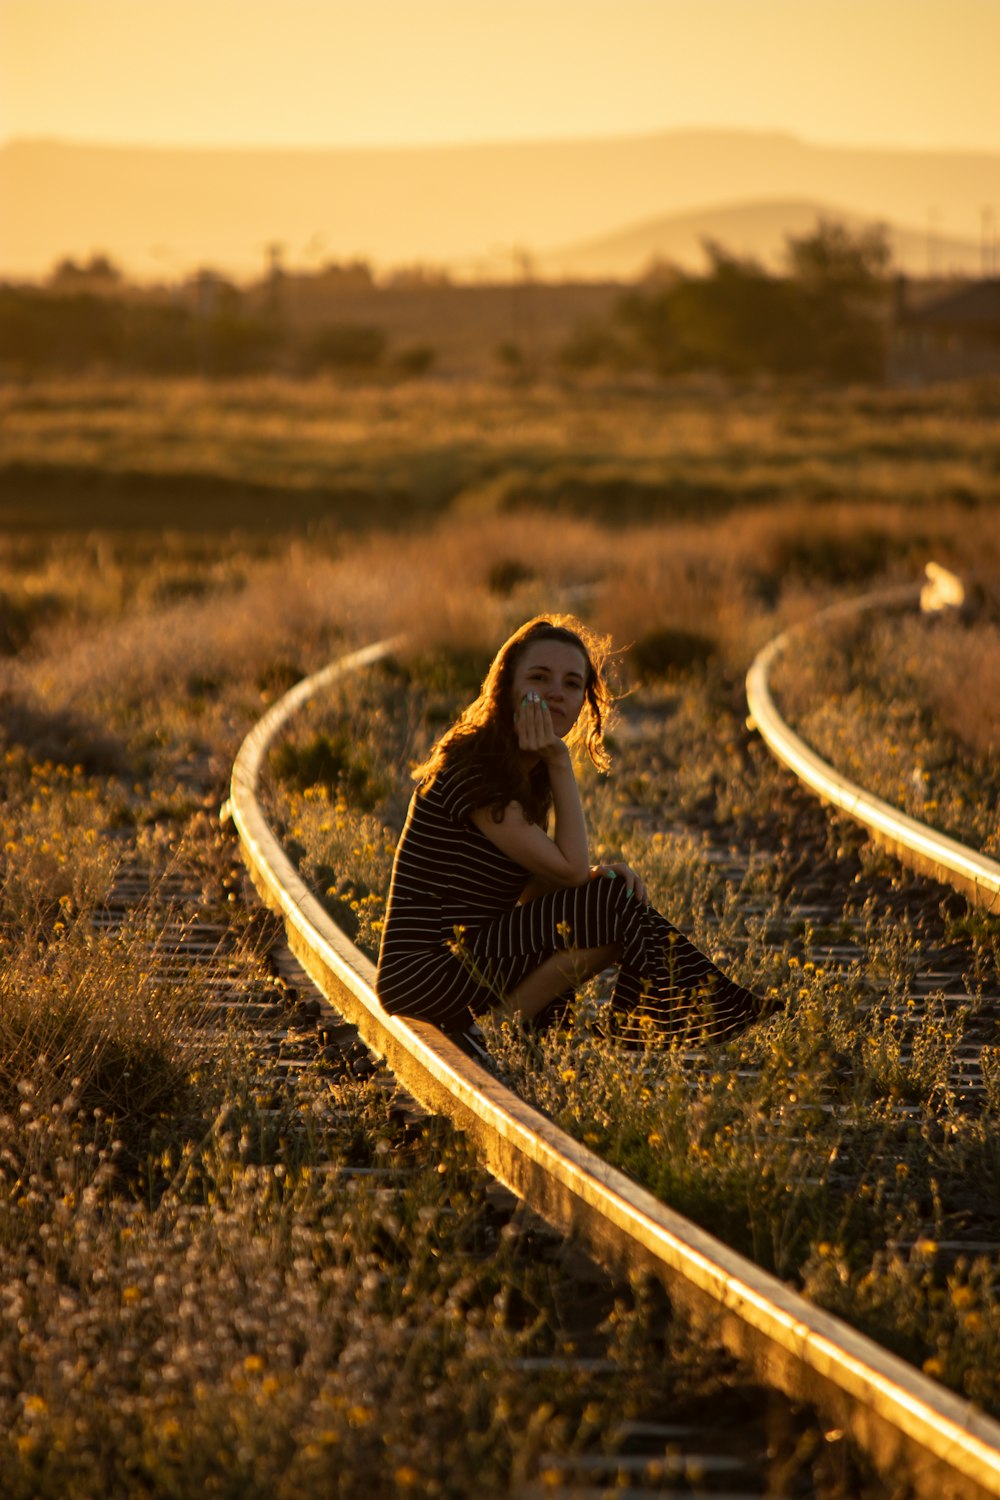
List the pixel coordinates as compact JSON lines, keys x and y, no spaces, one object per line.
{"x":916,"y":844}
{"x":909,"y":1425}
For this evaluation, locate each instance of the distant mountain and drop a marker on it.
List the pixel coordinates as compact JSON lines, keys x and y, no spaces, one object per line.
{"x":163,"y":212}
{"x":755,"y":230}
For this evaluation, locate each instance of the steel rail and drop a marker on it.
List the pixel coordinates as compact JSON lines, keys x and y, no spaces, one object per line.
{"x":916,"y":844}
{"x":945,"y":1447}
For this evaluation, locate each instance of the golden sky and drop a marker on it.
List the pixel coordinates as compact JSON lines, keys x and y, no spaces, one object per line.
{"x":379,"y":72}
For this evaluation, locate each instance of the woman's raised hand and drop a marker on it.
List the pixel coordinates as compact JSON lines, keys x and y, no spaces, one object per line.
{"x":536,"y":734}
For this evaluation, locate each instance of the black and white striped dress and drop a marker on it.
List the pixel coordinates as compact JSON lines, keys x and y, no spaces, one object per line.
{"x":456,"y":941}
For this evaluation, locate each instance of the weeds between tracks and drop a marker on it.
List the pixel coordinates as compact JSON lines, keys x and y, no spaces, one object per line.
{"x":910,"y":708}
{"x":188,"y":1299}
{"x":824,"y":1144}
{"x":209,"y":1286}
{"x":203,"y":1291}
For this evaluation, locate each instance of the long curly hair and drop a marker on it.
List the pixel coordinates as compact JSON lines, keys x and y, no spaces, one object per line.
{"x":483,"y":741}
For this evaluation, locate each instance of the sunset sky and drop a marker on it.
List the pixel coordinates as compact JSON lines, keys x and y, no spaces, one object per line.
{"x":376,"y":72}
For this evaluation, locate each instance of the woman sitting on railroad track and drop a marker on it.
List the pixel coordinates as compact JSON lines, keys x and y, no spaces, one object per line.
{"x":489,"y":910}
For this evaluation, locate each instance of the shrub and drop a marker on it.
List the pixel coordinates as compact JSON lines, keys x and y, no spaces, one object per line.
{"x":330,"y":761}
{"x":342,"y":348}
{"x":414,"y":361}
{"x":821,"y":319}
{"x":505,"y":574}
{"x":670,"y":649}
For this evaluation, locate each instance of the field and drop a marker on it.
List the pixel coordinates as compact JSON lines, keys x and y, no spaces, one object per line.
{"x":188,"y":1303}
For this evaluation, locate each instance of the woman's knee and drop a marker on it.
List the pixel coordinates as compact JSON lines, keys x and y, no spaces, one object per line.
{"x":609,"y":907}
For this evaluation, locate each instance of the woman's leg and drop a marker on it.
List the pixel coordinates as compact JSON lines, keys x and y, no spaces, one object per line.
{"x":666,"y":980}
{"x":560,"y":972}
{"x":565,"y":936}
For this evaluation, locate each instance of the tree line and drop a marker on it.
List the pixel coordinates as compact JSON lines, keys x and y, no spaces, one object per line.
{"x":823,"y":316}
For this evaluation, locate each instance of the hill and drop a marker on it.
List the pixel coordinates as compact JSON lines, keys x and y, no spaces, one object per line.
{"x":756,"y":230}
{"x":163,"y":212}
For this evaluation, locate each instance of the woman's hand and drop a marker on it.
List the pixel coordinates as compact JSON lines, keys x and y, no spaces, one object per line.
{"x":536,"y":734}
{"x":561,"y":859}
{"x":619,"y":871}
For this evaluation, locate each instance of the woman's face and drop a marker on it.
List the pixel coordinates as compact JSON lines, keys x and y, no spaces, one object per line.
{"x":557,"y":672}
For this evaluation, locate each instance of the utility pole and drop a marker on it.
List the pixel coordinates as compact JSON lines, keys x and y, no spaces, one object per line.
{"x":520,"y":283}
{"x":987,"y":243}
{"x":933,"y":227}
{"x":275,"y":272}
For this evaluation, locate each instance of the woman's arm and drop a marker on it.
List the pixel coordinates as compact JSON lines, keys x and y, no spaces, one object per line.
{"x":537,"y":886}
{"x":564,"y":858}
{"x":560,"y":860}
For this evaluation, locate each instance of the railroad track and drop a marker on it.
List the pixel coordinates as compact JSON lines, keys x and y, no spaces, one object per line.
{"x":920,"y":847}
{"x":913,"y":1430}
{"x":183,"y":903}
{"x":917,"y":846}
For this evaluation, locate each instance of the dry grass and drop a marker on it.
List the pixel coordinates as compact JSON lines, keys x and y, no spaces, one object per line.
{"x":344,"y":456}
{"x":191,"y":1303}
{"x":793,"y":1146}
{"x":908,"y":707}
{"x":195,"y":1298}
{"x":960,"y":678}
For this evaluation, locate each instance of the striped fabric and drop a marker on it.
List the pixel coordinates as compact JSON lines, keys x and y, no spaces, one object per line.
{"x":456,"y":941}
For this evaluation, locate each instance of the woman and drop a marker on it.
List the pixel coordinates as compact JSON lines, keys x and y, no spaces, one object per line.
{"x":489,"y":909}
